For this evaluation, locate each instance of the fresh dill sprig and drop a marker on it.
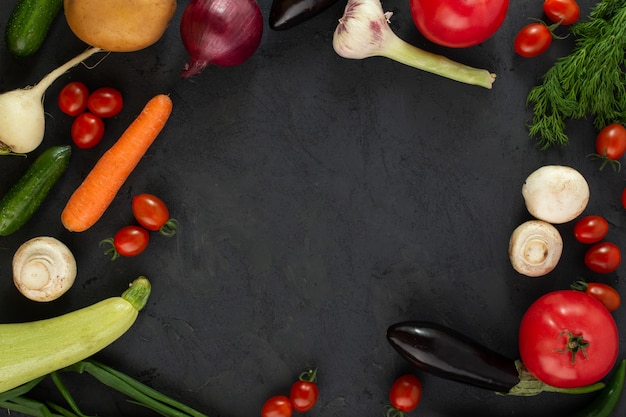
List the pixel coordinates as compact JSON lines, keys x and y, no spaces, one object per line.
{"x":589,"y":82}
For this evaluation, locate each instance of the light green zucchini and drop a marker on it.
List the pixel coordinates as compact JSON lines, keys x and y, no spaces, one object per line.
{"x":33,"y":349}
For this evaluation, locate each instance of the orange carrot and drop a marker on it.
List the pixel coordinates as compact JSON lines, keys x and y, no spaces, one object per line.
{"x":91,"y":199}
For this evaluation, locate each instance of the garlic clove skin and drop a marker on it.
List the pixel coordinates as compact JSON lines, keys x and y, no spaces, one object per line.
{"x":535,"y":248}
{"x":43,"y":269}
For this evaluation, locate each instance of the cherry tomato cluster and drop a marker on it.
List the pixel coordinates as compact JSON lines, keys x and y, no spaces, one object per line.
{"x":602,"y":257}
{"x":610,"y":146}
{"x":89,"y":110}
{"x":535,"y":38}
{"x":404,"y":395}
{"x":302,"y":397}
{"x":152,"y":214}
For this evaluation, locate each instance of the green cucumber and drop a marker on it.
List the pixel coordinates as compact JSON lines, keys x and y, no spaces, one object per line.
{"x":26,"y":196}
{"x":29,"y":23}
{"x":33,"y":349}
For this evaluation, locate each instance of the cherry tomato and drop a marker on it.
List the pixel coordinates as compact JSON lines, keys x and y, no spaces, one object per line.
{"x":624,"y":197}
{"x":568,"y":339}
{"x":128,"y":241}
{"x":406,"y":393}
{"x":277,"y":406}
{"x":73,"y":98}
{"x":458,"y":24}
{"x":603,"y":257}
{"x":591,"y":229}
{"x":304,"y":392}
{"x":152,"y":213}
{"x":532,"y":40}
{"x":611,"y":141}
{"x":604,"y":293}
{"x":105,"y":102}
{"x":87,"y":130}
{"x":564,"y":12}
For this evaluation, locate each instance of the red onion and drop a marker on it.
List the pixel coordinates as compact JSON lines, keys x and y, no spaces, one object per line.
{"x":220,"y":32}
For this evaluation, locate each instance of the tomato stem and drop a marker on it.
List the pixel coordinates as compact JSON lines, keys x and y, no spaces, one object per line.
{"x":574,"y":345}
{"x":308,"y":376}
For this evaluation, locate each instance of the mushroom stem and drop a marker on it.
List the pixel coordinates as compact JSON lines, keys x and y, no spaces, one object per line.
{"x":43,"y":268}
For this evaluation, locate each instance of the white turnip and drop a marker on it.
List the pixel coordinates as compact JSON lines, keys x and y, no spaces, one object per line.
{"x":22,"y":117}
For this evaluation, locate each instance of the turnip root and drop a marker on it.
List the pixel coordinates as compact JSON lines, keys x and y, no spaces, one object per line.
{"x":555,"y":194}
{"x":22,"y":117}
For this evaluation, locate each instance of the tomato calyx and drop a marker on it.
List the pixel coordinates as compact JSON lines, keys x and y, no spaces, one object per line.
{"x":111,"y":250}
{"x":308,"y":376}
{"x":575,"y":344}
{"x":614,"y":163}
{"x":169,"y":228}
{"x":394,"y":412}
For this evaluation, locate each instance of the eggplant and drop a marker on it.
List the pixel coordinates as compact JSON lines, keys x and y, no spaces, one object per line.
{"x":444,"y":352}
{"x":285,"y":14}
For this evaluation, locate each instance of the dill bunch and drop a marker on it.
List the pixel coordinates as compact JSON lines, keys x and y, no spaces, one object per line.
{"x":589,"y":82}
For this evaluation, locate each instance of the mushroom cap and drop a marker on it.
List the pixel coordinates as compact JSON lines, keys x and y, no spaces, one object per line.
{"x":535,"y":248}
{"x":555,"y":193}
{"x":43,"y":268}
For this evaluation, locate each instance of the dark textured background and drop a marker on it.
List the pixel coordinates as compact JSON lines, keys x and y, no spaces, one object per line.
{"x":321,"y":200}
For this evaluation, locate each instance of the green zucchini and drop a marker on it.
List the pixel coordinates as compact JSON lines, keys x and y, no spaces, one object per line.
{"x":26,"y":196}
{"x":33,"y":349}
{"x":29,"y":23}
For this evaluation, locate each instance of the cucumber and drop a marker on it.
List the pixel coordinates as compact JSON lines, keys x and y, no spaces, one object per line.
{"x":34,"y":349}
{"x":26,"y":196}
{"x":29,"y":23}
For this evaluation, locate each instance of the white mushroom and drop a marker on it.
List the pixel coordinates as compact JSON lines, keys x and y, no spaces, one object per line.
{"x":43,"y":268}
{"x":535,"y":248}
{"x":555,"y":193}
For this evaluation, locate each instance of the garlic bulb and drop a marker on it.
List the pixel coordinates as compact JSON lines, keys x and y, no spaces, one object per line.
{"x":43,"y":269}
{"x":364,"y":32}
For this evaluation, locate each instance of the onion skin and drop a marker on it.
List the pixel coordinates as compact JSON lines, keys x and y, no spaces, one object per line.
{"x":224,"y":33}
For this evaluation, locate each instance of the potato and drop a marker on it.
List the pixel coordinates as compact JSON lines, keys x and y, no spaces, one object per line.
{"x":119,"y":25}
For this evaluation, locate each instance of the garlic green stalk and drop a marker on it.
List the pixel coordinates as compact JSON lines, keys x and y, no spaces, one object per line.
{"x":363,"y":32}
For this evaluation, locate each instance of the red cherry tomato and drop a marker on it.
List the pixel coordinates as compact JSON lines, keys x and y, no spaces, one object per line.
{"x":458,"y":24}
{"x":152,"y":213}
{"x":73,"y":98}
{"x":564,"y":12}
{"x":568,"y":339}
{"x":611,"y":141}
{"x":87,"y":130}
{"x":603,"y":257}
{"x":128,"y":241}
{"x":304,"y":392}
{"x":406,"y":393}
{"x":532,"y":40}
{"x":624,"y":197}
{"x":604,"y":293}
{"x":277,"y":406}
{"x":591,"y":229}
{"x":105,"y":102}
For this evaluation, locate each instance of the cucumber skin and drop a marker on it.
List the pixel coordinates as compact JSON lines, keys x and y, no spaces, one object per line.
{"x":33,"y":349}
{"x":28,"y":25}
{"x":29,"y":192}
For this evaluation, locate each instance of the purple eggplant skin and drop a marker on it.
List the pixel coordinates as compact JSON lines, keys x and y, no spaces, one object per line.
{"x":444,"y":352}
{"x":285,"y":14}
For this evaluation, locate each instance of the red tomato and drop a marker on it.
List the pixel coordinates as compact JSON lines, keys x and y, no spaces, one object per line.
{"x":606,"y":294}
{"x":87,"y":130}
{"x":105,"y":102}
{"x":277,"y":406}
{"x":73,"y":98}
{"x":591,"y":229}
{"x":564,"y":12}
{"x":458,"y":24}
{"x":611,"y":141}
{"x":532,"y":40}
{"x":568,"y":339}
{"x":624,"y":197}
{"x":304,"y":392}
{"x":128,"y":241}
{"x":152,"y":213}
{"x":603,"y":257}
{"x":406,"y":393}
